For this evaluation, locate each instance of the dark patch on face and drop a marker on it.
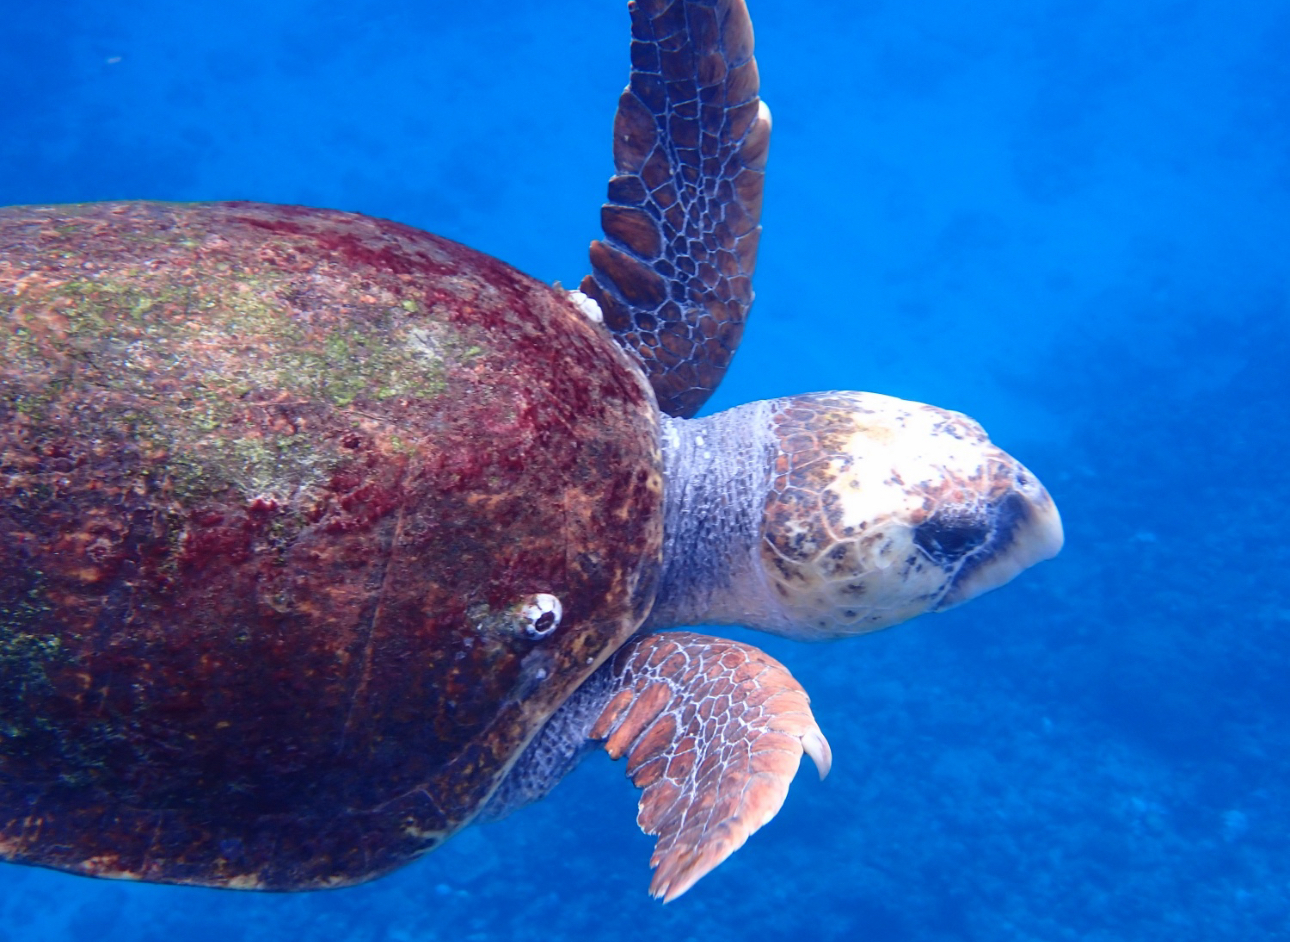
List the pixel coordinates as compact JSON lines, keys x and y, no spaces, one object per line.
{"x":948,"y":537}
{"x":1001,"y":523}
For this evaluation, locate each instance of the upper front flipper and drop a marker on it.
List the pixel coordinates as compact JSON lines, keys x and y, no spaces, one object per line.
{"x":673,"y":275}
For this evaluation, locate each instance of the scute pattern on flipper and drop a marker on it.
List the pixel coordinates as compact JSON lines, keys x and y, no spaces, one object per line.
{"x":673,"y":275}
{"x":713,"y":731}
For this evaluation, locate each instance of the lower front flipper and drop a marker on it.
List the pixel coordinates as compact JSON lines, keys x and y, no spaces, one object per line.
{"x":713,"y":731}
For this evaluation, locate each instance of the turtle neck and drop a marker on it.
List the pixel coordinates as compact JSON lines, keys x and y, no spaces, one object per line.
{"x":716,"y":471}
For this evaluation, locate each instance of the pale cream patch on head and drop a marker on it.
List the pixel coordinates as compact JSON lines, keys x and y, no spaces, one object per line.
{"x":876,"y":507}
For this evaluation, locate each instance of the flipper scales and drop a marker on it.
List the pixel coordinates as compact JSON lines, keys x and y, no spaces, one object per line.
{"x":673,"y":274}
{"x":713,"y":732}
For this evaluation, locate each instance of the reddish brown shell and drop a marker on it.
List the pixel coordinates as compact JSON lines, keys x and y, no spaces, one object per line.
{"x":274,"y":483}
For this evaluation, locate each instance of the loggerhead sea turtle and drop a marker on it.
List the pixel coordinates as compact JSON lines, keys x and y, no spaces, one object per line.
{"x":322,"y":537}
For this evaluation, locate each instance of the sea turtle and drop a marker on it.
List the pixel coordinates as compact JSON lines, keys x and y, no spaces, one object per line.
{"x":322,"y":537}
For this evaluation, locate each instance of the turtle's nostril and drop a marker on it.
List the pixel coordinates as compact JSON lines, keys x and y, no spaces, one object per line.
{"x":947,"y":538}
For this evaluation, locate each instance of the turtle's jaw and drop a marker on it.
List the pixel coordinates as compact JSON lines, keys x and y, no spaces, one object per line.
{"x":1024,"y":528}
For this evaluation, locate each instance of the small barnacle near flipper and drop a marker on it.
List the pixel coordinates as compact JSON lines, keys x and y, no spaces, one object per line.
{"x":541,"y":614}
{"x":533,"y":616}
{"x":587,"y":306}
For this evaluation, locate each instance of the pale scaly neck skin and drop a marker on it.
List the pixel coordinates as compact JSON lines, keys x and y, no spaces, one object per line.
{"x":832,"y":514}
{"x":716,"y":471}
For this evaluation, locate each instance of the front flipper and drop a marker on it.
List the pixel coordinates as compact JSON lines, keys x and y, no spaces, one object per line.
{"x":673,"y":276}
{"x":713,"y":731}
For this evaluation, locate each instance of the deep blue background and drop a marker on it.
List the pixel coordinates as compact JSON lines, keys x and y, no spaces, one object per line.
{"x":1068,"y":219}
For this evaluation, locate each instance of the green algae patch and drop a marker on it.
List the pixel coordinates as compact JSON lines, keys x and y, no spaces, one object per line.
{"x":26,"y":653}
{"x":134,"y":330}
{"x":277,"y":468}
{"x":221,"y":370}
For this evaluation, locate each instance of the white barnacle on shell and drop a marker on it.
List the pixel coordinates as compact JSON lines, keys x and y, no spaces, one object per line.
{"x":587,"y":306}
{"x":541,"y":614}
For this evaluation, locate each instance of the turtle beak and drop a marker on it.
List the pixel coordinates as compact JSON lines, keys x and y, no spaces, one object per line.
{"x":1024,"y":528}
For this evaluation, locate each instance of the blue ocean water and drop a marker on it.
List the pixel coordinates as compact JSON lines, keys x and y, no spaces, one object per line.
{"x":1069,"y":220}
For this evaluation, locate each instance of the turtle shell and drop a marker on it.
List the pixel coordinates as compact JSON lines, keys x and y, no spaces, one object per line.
{"x":284,"y":494}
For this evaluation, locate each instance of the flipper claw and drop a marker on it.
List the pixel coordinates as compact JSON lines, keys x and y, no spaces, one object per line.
{"x":817,"y":747}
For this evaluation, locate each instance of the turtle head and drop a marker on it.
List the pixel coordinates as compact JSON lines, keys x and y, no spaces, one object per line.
{"x":870,"y":510}
{"x":880,"y":509}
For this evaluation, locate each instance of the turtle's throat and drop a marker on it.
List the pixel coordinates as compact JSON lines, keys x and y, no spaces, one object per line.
{"x":716,"y":473}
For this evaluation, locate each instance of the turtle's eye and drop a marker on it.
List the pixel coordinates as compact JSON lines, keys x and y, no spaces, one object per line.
{"x":947,"y":538}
